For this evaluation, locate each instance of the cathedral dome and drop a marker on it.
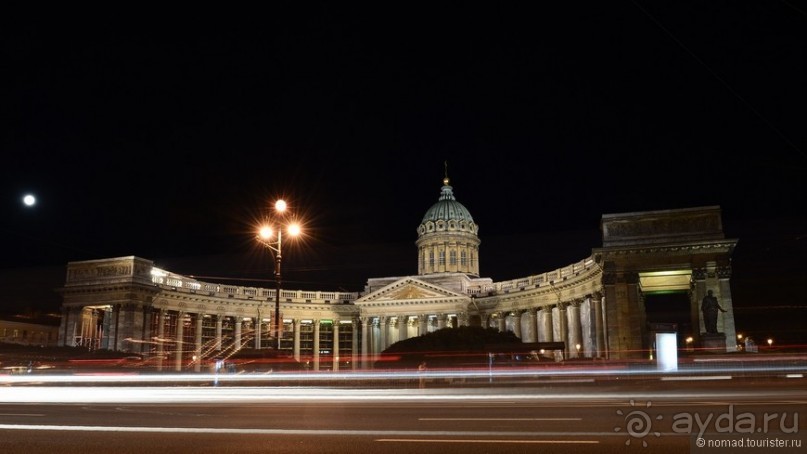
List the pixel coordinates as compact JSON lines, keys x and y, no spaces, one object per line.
{"x":447,"y":208}
{"x":447,"y":237}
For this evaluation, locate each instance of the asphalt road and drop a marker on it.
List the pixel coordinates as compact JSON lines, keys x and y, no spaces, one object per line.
{"x":648,"y":415}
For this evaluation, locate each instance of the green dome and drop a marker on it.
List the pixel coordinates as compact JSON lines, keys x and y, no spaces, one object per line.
{"x":447,"y":208}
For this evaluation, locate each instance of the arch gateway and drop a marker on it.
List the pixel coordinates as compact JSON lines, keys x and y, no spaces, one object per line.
{"x":595,"y":307}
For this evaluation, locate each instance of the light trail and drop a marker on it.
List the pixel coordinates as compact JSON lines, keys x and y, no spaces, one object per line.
{"x":794,"y":367}
{"x":284,"y":395}
{"x":467,"y":436}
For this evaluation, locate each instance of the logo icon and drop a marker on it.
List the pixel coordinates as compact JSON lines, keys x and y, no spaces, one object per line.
{"x":638,"y":424}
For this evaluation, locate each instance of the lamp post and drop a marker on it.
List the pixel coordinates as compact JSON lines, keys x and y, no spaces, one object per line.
{"x":265,"y":235}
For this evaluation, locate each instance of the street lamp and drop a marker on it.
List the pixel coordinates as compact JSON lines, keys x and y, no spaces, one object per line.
{"x":265,"y":235}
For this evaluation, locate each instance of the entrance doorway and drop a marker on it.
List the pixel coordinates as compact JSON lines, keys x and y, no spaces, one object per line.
{"x":670,"y":307}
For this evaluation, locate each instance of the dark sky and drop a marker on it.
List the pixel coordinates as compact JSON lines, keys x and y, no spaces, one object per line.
{"x":165,"y":134}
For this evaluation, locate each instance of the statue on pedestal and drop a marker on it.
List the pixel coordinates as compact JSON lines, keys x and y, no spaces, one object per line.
{"x":709,"y":308}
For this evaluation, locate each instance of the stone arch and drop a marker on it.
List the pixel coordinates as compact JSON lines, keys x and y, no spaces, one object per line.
{"x":670,"y":250}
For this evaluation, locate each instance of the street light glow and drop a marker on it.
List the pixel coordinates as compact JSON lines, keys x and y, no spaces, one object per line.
{"x":265,"y":233}
{"x":294,"y":229}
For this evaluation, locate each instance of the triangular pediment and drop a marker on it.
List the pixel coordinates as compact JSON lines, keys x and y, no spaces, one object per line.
{"x":409,"y":289}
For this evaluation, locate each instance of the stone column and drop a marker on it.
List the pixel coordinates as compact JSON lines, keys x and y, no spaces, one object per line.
{"x":403,"y":327}
{"x":575,"y":330}
{"x":589,"y":349}
{"x":441,"y":321}
{"x":336,"y":349}
{"x":160,"y":338}
{"x":354,"y":344}
{"x":130,"y":326}
{"x":296,"y":324}
{"x":382,"y":327}
{"x":502,"y":322}
{"x":365,"y":352}
{"x":180,"y":344}
{"x":517,"y":323}
{"x":597,"y":303}
{"x":106,"y":327}
{"x":724,"y":293}
{"x":218,"y":331}
{"x":62,"y":341}
{"x":545,"y":333}
{"x":316,"y":344}
{"x":423,"y":324}
{"x":237,"y":321}
{"x":560,"y":328}
{"x":113,"y":327}
{"x":146,"y":344}
{"x":532,"y":326}
{"x":197,"y":350}
{"x":257,"y":330}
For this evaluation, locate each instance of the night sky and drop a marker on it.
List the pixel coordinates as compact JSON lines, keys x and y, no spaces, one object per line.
{"x":166,"y":135}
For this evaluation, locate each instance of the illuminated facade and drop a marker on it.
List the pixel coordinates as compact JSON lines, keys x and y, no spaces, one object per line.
{"x":595,"y":306}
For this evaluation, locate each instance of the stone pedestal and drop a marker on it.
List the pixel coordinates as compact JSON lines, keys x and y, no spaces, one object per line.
{"x":714,"y":342}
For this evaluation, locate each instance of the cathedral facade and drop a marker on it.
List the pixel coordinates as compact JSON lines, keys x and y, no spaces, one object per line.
{"x":594,"y":307}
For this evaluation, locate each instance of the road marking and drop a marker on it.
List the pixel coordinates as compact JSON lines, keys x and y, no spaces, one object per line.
{"x":695,"y":377}
{"x":500,"y":419}
{"x":459,"y":435}
{"x":433,"y":440}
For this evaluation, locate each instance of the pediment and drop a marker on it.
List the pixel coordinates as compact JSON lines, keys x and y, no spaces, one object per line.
{"x":409,"y":289}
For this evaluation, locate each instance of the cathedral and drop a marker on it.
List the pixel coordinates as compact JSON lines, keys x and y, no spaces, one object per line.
{"x":593,"y":308}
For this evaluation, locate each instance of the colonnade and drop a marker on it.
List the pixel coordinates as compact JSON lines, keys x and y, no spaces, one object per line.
{"x":182,"y":340}
{"x":578,"y":324}
{"x":378,"y":332}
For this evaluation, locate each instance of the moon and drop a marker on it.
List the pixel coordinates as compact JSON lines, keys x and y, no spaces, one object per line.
{"x":29,"y":200}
